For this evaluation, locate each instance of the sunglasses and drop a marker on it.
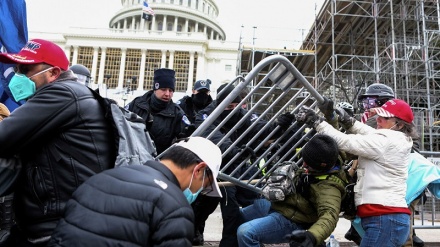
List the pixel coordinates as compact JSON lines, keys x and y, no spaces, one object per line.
{"x":369,"y":102}
{"x":210,"y":188}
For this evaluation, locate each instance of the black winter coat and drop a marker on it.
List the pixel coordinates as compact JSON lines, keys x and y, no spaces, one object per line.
{"x":189,"y":108}
{"x":128,"y":206}
{"x":64,"y":110}
{"x":166,"y":125}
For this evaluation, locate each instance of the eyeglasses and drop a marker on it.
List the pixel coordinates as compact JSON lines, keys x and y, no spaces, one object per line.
{"x":210,"y":188}
{"x":23,"y":69}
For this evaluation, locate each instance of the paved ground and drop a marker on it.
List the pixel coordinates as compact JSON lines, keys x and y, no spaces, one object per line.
{"x":430,"y":236}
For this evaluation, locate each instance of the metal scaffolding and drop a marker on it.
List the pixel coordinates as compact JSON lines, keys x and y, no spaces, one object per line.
{"x":395,"y":42}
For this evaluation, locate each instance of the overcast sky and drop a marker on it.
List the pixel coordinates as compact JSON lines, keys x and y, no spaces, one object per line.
{"x":277,"y":22}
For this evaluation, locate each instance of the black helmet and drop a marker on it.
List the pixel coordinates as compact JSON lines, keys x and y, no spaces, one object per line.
{"x":382,"y":92}
{"x":82,"y":72}
{"x":378,"y":90}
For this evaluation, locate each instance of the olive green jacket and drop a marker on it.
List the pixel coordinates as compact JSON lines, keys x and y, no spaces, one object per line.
{"x":321,"y":210}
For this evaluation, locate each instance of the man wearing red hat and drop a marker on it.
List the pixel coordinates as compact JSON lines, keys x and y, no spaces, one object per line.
{"x":60,"y":119}
{"x":383,"y":155}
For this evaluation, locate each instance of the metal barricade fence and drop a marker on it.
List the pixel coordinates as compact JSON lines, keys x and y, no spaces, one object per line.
{"x":427,"y":210}
{"x":274,"y":87}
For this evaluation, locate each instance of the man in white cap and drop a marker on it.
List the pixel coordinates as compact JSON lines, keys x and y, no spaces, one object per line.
{"x":143,"y":205}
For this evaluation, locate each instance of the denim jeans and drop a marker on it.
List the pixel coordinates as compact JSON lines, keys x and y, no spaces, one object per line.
{"x":263,"y":225}
{"x":386,"y":230}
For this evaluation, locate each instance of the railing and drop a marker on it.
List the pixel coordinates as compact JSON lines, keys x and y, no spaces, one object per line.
{"x":280,"y":89}
{"x":427,"y":210}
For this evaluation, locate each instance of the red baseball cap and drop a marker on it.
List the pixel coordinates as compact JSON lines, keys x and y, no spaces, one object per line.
{"x":38,"y":51}
{"x":395,"y":108}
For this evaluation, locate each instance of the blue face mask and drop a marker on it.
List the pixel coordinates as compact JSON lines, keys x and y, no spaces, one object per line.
{"x":23,"y":87}
{"x":191,"y":197}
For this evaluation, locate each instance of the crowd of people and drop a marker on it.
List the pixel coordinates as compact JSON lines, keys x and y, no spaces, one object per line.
{"x":61,"y":201}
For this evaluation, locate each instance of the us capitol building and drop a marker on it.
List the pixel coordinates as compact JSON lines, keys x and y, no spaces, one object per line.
{"x":183,"y":35}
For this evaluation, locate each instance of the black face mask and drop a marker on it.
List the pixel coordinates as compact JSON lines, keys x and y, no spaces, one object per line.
{"x":200,"y":100}
{"x":233,"y":120}
{"x":157,"y":105}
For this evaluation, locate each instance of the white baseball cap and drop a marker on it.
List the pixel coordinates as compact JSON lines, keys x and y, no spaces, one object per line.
{"x":210,"y":154}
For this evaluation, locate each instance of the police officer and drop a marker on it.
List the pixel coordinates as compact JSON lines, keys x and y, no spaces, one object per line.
{"x":200,"y":98}
{"x":165,"y":121}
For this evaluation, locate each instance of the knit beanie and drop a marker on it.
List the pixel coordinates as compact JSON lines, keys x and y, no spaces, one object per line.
{"x":320,"y":153}
{"x":223,"y":91}
{"x":164,"y":78}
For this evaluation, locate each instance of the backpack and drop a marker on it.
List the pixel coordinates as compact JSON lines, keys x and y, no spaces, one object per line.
{"x":280,"y":182}
{"x":132,"y":141}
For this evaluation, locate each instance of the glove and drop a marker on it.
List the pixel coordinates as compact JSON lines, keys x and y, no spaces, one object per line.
{"x":327,"y":109}
{"x":248,"y":151}
{"x":307,"y":116}
{"x":344,"y":119}
{"x":285,"y":120}
{"x":301,"y":238}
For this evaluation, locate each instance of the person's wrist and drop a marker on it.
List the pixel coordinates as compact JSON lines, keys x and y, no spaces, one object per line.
{"x":311,"y":237}
{"x":330,"y":116}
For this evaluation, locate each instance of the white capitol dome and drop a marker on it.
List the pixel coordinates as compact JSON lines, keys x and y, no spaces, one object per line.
{"x":183,"y":35}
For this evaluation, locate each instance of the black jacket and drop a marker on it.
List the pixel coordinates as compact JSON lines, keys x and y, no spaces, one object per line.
{"x":128,"y":206}
{"x":261,"y":129}
{"x":166,"y":125}
{"x":63,"y":111}
{"x":189,"y":108}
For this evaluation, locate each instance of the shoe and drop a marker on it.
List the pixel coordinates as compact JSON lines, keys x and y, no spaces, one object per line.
{"x":353,"y":235}
{"x":417,"y":242}
{"x":198,"y":239}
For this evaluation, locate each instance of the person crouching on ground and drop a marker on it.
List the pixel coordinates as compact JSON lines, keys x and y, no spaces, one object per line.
{"x":143,"y":205}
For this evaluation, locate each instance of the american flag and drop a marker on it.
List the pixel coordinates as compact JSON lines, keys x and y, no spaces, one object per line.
{"x":14,"y":35}
{"x":147,"y":12}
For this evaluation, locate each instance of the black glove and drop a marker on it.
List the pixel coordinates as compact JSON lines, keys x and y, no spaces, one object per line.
{"x":301,"y":238}
{"x":344,"y":118}
{"x":285,"y":120}
{"x":248,"y":151}
{"x":327,"y":109}
{"x":305,"y":115}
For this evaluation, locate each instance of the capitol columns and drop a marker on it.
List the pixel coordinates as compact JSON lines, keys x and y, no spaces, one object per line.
{"x":171,"y":61}
{"x":102,"y":66}
{"x":200,"y":64}
{"x":75,"y":55}
{"x":190,"y":73}
{"x":122,"y":69}
{"x":94,"y":63}
{"x":142,"y":70}
{"x":163,"y":60}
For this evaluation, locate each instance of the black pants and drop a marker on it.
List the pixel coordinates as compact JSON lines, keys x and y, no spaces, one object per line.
{"x":203,"y":206}
{"x":233,"y":198}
